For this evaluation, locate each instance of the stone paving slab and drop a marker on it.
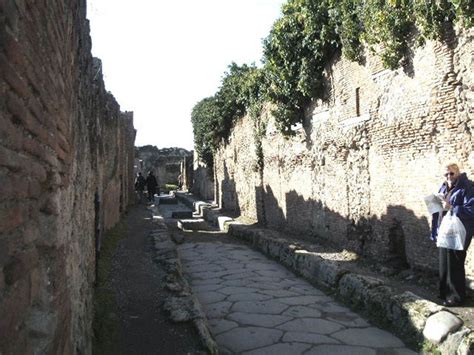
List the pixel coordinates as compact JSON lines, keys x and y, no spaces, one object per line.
{"x":247,"y":338}
{"x":170,"y":208}
{"x":280,"y":349}
{"x":256,"y":306}
{"x":241,"y":297}
{"x":182,"y":214}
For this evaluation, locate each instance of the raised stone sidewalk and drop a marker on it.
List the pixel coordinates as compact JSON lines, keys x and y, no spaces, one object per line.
{"x":182,"y":306}
{"x":411,"y":317}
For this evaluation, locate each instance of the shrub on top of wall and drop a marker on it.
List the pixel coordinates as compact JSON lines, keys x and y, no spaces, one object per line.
{"x":242,"y":90}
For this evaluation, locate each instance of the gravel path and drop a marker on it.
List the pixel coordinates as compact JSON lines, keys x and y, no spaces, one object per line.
{"x":138,"y":286}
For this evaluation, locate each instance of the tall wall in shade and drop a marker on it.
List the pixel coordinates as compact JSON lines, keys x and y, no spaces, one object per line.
{"x":66,"y":173}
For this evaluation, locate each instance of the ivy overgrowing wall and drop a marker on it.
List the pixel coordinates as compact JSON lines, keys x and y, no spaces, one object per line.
{"x":66,"y":175}
{"x":357,"y":170}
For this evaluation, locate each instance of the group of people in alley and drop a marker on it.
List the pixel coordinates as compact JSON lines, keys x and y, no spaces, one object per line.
{"x":151,"y":184}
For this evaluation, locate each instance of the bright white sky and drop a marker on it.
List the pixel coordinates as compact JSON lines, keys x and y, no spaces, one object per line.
{"x":160,"y":57}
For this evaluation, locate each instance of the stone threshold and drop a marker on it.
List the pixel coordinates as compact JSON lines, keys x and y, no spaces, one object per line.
{"x":411,"y":317}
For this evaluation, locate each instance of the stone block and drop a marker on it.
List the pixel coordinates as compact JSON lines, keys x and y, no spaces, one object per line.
{"x":241,"y":231}
{"x":379,"y":305}
{"x":199,"y":206}
{"x":163,"y":200}
{"x":467,"y":345}
{"x":210,"y":215}
{"x":354,"y":288}
{"x":223,"y":222}
{"x":182,"y":214}
{"x":288,"y":255}
{"x":454,"y":342}
{"x":274,"y":247}
{"x":327,"y":272}
{"x":208,"y":341}
{"x":439,"y":325}
{"x":192,"y":224}
{"x":183,"y":309}
{"x":410,"y":308}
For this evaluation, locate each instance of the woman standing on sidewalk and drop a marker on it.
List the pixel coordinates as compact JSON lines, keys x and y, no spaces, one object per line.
{"x":458,"y":192}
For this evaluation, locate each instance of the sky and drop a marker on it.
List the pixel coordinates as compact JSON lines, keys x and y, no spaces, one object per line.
{"x":161,"y":57}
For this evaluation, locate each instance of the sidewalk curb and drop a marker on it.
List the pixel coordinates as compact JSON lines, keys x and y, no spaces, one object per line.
{"x":209,"y":212}
{"x":406,"y":314}
{"x":182,"y":306}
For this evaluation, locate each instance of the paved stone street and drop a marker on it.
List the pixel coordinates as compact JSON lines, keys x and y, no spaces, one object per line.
{"x":256,"y":306}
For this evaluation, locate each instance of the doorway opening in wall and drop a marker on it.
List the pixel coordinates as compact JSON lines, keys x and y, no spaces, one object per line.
{"x":121,"y":207}
{"x":97,"y":232}
{"x":357,"y":101}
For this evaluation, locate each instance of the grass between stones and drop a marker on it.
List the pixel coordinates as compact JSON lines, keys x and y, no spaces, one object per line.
{"x":105,"y":324}
{"x":429,"y":348}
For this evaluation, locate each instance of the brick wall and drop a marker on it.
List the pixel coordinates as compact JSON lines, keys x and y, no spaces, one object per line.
{"x":356,"y":173}
{"x":66,"y":160}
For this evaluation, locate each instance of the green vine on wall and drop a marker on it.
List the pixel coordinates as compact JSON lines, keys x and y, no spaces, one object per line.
{"x":302,"y":43}
{"x":243,"y":90}
{"x":391,"y":19}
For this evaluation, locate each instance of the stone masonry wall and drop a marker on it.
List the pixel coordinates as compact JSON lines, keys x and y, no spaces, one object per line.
{"x":165,"y":162}
{"x":186,"y":172}
{"x":356,"y":173}
{"x":203,"y":184}
{"x":66,"y":166}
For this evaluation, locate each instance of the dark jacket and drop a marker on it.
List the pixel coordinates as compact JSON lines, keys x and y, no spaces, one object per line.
{"x":462,"y":202}
{"x":151,"y":182}
{"x":140,"y":183}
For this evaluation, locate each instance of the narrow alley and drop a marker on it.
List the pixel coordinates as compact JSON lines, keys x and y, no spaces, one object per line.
{"x":134,"y":321}
{"x":307,"y":168}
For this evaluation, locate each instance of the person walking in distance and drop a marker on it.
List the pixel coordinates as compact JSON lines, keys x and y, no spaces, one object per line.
{"x":151,"y":185}
{"x":180,"y":182}
{"x":458,"y":199}
{"x":140,"y":186}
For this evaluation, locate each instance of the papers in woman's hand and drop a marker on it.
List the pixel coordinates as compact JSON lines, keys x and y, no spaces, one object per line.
{"x":434,"y":203}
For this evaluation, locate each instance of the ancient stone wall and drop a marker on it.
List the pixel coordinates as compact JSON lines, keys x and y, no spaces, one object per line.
{"x":66,"y":160}
{"x":203,"y":182}
{"x":356,"y":173}
{"x":186,"y":172}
